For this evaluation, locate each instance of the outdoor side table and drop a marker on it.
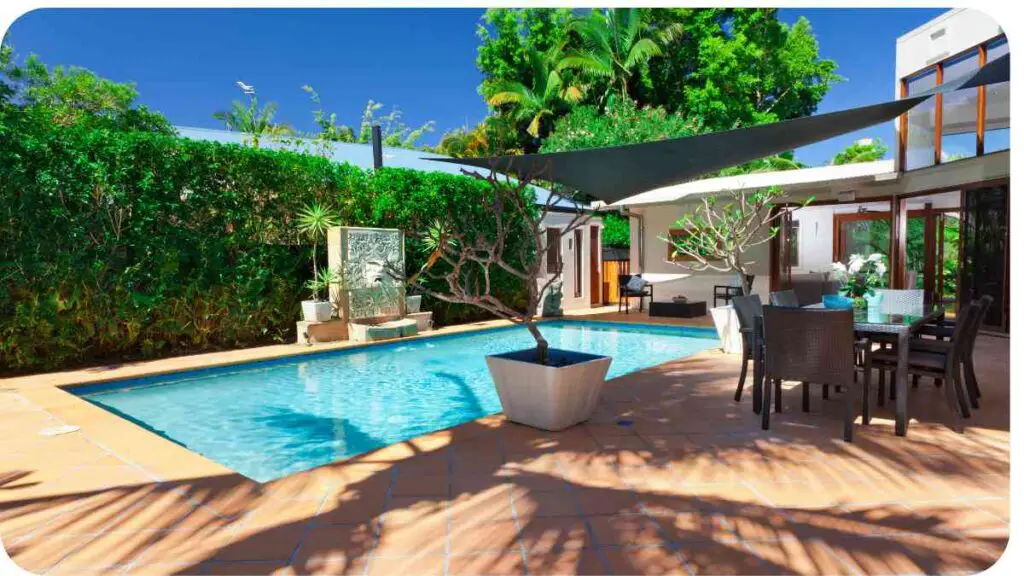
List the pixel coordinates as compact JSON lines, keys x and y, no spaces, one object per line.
{"x":678,"y":309}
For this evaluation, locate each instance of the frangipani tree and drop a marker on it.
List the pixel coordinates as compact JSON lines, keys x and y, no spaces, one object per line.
{"x":474,"y":254}
{"x":718,"y":232}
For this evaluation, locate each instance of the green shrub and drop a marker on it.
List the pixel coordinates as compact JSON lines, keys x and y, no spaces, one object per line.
{"x":119,"y":245}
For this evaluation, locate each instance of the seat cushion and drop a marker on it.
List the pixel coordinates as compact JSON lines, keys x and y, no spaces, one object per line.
{"x":919,"y":359}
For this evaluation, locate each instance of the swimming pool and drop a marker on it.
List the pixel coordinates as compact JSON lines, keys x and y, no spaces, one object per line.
{"x":270,"y":419}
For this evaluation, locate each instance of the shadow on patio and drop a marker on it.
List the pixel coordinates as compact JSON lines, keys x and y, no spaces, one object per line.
{"x":671,"y":475}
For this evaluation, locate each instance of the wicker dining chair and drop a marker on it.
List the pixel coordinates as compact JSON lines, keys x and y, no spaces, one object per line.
{"x":785,"y":299}
{"x":896,"y":302}
{"x":812,"y":346}
{"x":747,"y":308}
{"x":970,"y":376}
{"x":942,"y":361}
{"x":901,"y":301}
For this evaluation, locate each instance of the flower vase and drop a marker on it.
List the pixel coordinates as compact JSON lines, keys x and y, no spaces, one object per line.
{"x":873,"y":300}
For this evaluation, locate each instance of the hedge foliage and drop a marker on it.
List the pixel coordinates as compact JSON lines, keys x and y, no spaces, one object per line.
{"x":122,"y":244}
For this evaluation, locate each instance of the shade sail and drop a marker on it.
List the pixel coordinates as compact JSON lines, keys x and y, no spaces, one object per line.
{"x":617,"y":172}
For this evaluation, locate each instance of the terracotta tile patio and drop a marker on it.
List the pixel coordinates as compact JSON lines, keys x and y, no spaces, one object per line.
{"x":671,"y":476}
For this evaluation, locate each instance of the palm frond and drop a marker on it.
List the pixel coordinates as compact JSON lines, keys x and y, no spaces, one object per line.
{"x":643,"y":50}
{"x":587,"y":62}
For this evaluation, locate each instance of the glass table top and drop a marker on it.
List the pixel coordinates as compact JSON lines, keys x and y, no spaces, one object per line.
{"x":875,"y":319}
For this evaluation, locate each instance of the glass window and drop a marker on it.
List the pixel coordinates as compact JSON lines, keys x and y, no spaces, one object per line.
{"x":997,"y":106}
{"x":959,"y":112}
{"x":921,"y":123}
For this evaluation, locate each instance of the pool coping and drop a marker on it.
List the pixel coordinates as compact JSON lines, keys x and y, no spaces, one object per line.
{"x":160,"y":457}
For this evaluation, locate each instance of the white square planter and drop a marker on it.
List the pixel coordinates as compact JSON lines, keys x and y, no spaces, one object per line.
{"x":728,"y":327}
{"x":548,"y":397}
{"x":316,"y":311}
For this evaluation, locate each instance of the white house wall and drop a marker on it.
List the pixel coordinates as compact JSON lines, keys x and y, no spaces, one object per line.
{"x":562,"y":220}
{"x":700,"y":286}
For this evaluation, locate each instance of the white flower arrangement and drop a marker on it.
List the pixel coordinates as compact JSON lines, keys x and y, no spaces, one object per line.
{"x":860,"y":275}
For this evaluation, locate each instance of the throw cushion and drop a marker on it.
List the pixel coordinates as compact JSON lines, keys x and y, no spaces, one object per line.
{"x":635,"y":284}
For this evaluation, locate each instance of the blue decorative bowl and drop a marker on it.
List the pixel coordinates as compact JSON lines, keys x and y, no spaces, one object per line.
{"x":837,"y":302}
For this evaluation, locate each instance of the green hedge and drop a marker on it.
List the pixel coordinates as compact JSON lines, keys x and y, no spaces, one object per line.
{"x":118,"y":245}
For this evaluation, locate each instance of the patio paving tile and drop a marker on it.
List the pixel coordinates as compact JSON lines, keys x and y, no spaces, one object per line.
{"x":584,"y":562}
{"x":721,"y":558}
{"x":424,"y":538}
{"x":544,"y":504}
{"x":499,"y":536}
{"x":622,"y":531}
{"x":334,"y":549}
{"x":644,"y":561}
{"x":402,"y":566}
{"x":247,"y":568}
{"x":604,"y":502}
{"x":545,"y":536}
{"x":274,"y":544}
{"x":479,"y":564}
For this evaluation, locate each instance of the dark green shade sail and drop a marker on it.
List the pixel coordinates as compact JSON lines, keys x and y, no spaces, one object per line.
{"x":613,"y":173}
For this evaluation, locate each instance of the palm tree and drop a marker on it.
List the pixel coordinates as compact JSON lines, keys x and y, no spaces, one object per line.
{"x":253,"y":119}
{"x":615,"y":44}
{"x":547,"y":95}
{"x":494,"y":136}
{"x":314,"y":221}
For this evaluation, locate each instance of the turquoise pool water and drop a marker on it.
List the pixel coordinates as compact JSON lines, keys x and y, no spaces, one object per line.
{"x":271,"y":419}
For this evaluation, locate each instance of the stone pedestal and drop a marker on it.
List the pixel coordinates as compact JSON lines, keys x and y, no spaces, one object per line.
{"x":319,"y":332}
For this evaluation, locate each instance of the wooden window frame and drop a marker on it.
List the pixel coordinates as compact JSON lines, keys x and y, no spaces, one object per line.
{"x":837,"y":228}
{"x":982,"y":52}
{"x":577,"y":240}
{"x":553,"y":256}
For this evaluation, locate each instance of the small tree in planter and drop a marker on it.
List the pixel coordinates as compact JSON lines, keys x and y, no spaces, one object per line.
{"x":715,"y":235}
{"x":541,"y":387}
{"x":313,"y":222}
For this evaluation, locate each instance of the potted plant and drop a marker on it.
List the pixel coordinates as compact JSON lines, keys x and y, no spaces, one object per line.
{"x":716,"y":235}
{"x":858,"y":278}
{"x":317,"y":310}
{"x":543,"y":387}
{"x":313,"y":222}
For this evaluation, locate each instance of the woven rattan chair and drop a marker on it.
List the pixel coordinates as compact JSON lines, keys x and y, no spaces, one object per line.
{"x":747,"y":308}
{"x":901,"y":301}
{"x":625,"y":293}
{"x":896,"y":302}
{"x":812,"y":347}
{"x":785,"y":299}
{"x":971,"y":338}
{"x":942,"y":361}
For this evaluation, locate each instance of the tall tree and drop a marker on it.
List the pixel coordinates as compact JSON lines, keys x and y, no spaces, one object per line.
{"x":739,"y":67}
{"x":495,"y":135}
{"x":73,"y":95}
{"x":865,"y":150}
{"x":508,"y":35}
{"x":616,"y":45}
{"x":538,"y":103}
{"x":252,"y":119}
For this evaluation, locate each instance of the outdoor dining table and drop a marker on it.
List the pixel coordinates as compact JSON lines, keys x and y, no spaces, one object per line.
{"x":867,"y":322}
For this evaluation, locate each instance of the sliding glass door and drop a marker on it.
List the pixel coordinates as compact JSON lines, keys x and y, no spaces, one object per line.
{"x":986,"y":252}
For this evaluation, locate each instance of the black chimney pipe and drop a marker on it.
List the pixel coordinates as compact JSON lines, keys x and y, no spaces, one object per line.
{"x":378,"y":153}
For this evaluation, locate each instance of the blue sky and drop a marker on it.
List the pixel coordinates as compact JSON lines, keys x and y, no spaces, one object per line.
{"x":186,"y":62}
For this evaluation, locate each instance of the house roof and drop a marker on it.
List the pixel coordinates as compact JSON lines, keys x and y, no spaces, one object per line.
{"x":361,"y":155}
{"x":803,"y":177}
